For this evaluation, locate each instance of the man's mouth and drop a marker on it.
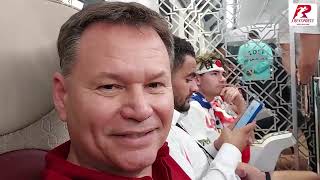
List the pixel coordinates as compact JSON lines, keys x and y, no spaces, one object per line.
{"x":134,"y":134}
{"x":137,"y":138}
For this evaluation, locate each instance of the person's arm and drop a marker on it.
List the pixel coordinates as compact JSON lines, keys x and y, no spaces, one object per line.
{"x":294,"y":175}
{"x":224,"y":164}
{"x":248,"y":172}
{"x":190,"y":157}
{"x":309,"y":52}
{"x":228,"y":157}
{"x":225,"y":161}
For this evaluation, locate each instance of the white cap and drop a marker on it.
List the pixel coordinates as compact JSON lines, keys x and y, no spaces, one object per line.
{"x":210,"y":65}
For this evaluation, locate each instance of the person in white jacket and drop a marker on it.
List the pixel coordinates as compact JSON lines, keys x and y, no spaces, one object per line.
{"x":183,"y":148}
{"x":205,"y":120}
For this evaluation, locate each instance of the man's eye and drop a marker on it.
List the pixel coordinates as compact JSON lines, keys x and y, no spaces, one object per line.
{"x":191,"y":77}
{"x":214,"y":73}
{"x":189,"y":80}
{"x":110,"y":87}
{"x":155,"y":85}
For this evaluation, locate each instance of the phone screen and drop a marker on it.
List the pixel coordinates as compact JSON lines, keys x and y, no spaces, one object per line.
{"x":251,"y":112}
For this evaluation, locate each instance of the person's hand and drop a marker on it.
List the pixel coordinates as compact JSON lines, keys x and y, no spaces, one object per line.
{"x":233,"y":96}
{"x":294,"y":175}
{"x":239,"y":137}
{"x":248,"y":172}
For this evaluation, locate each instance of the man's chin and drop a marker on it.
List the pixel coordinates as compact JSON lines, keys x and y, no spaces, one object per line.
{"x":137,"y":164}
{"x":183,"y":109}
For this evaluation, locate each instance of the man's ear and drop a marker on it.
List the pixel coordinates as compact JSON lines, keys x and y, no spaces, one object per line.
{"x":60,"y":95}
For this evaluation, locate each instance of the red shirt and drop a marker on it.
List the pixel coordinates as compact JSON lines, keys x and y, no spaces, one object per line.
{"x":57,"y":168}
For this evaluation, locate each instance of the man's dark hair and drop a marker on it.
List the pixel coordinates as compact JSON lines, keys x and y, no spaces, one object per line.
{"x":181,"y":48}
{"x":132,"y":14}
{"x":253,"y":34}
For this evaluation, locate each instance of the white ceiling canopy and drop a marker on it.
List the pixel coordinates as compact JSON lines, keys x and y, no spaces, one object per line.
{"x":260,"y":11}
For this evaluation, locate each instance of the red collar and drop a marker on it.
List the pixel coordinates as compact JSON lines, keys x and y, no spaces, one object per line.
{"x":57,"y":168}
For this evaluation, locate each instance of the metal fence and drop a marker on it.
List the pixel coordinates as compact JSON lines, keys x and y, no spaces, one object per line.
{"x":223,"y":26}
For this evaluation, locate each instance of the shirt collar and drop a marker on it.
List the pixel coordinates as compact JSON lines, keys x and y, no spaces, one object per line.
{"x":201,"y":99}
{"x":56,"y":162}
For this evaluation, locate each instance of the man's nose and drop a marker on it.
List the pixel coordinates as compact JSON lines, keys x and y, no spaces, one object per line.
{"x":137,"y":106}
{"x":223,"y":79}
{"x":194,"y":87}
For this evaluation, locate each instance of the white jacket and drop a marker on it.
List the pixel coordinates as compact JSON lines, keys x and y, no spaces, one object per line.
{"x":200,"y":123}
{"x":186,"y":152}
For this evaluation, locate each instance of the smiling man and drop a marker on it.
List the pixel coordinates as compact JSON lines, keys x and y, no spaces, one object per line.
{"x":115,"y":94}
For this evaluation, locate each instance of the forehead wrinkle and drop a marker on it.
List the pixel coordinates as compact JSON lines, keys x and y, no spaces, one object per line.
{"x":133,"y":74}
{"x":132,"y":33}
{"x":125,"y":53}
{"x":130,"y":54}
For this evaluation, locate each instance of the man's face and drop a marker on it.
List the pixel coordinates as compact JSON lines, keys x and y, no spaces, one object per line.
{"x":117,"y":101}
{"x":183,"y":83}
{"x":211,"y":83}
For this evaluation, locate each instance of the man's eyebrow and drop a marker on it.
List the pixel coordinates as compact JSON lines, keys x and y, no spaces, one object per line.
{"x":108,"y":75}
{"x":216,"y":71}
{"x":157,"y":75}
{"x":113,"y":76}
{"x":192,"y":74}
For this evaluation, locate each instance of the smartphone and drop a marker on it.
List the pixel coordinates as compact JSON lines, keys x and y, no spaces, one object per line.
{"x":251,"y":112}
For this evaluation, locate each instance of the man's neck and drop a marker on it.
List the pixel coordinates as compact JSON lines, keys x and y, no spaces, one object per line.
{"x":209,"y":98}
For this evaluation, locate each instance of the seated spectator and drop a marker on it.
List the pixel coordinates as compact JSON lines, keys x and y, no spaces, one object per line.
{"x":183,"y":148}
{"x":114,"y":92}
{"x":224,"y":97}
{"x":204,"y":122}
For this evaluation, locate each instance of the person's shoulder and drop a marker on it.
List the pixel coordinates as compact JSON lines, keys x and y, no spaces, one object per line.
{"x":196,"y":111}
{"x":195,"y":105}
{"x":176,"y":114}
